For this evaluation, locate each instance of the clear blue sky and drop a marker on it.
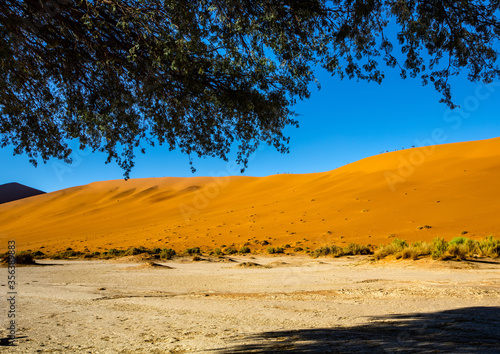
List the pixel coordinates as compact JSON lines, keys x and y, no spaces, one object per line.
{"x":343,"y":122}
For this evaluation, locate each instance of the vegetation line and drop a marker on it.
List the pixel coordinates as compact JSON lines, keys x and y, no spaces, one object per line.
{"x":459,"y":248}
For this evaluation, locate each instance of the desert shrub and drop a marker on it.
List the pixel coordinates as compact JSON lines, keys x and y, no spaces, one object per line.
{"x":457,"y":251}
{"x":439,"y":248}
{"x":196,"y":258}
{"x":263,"y":243}
{"x":244,"y":250}
{"x":399,"y":244}
{"x":405,"y":254}
{"x":116,"y":253}
{"x":354,"y":249}
{"x":218,"y":252}
{"x":464,"y":232}
{"x":489,"y":247}
{"x":69,"y":254}
{"x":298,"y":249}
{"x":96,"y":253}
{"x":421,"y":248}
{"x":192,"y":251}
{"x":38,"y":254}
{"x":467,"y":246}
{"x":394,"y":247}
{"x":495,"y":251}
{"x":288,"y":246}
{"x":132,"y":251}
{"x":471,"y":247}
{"x":167,"y":253}
{"x":414,"y":254}
{"x":23,"y":257}
{"x":156,"y":250}
{"x":410,"y":252}
{"x":333,"y":251}
{"x":272,"y":250}
{"x":381,"y":252}
{"x":230,"y":250}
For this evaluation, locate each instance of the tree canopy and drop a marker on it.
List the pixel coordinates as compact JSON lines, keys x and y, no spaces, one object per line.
{"x":202,"y":76}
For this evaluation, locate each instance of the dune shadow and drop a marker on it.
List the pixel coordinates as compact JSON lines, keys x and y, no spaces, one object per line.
{"x":463,"y":330}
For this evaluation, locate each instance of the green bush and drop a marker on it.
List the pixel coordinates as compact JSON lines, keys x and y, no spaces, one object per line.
{"x":167,"y":253}
{"x":38,"y":254}
{"x":271,"y":250}
{"x":457,"y":251}
{"x":333,"y":251}
{"x":471,"y":246}
{"x":244,"y":250}
{"x":218,"y":252}
{"x":399,"y":244}
{"x":410,"y":252}
{"x":353,"y":249}
{"x":69,"y":254}
{"x":192,"y":251}
{"x":394,"y":247}
{"x":489,"y":247}
{"x":459,"y":248}
{"x":133,"y":251}
{"x":230,"y":250}
{"x":439,"y":248}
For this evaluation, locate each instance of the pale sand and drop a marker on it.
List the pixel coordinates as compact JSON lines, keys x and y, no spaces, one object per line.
{"x":296,"y":304}
{"x":452,"y":188}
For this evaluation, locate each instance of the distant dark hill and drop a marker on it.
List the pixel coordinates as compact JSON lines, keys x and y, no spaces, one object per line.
{"x":14,"y":191}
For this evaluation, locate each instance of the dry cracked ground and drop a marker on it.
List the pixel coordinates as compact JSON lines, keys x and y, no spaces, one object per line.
{"x":256,"y":304}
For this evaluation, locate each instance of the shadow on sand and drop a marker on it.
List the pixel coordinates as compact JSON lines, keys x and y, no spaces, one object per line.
{"x":10,"y":342}
{"x":464,"y":330}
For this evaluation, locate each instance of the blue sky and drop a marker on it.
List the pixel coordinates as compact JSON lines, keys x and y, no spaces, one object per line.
{"x":343,"y":122}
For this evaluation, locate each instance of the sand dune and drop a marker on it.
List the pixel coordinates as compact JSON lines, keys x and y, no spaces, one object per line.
{"x":15,"y":191}
{"x":451,"y":188}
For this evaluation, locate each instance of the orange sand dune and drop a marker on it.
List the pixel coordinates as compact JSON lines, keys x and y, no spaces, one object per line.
{"x":452,"y":188}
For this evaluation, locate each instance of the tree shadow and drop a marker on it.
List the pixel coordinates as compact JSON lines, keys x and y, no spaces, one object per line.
{"x":463,"y":330}
{"x":10,"y":342}
{"x":483,"y":261}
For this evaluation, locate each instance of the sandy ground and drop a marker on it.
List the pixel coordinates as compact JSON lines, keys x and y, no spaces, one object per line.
{"x":291,"y":303}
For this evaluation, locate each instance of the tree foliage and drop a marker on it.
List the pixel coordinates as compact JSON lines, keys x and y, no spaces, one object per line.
{"x":201,"y":76}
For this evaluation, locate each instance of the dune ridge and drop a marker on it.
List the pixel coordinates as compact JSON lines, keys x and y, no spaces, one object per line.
{"x":451,"y":188}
